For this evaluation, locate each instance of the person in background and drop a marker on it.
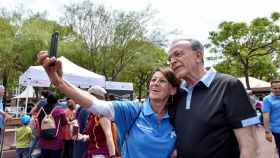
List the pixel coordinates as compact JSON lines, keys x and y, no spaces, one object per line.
{"x":213,"y":117}
{"x":34,"y":150}
{"x":52,"y":147}
{"x":99,"y":130}
{"x":2,"y":92}
{"x":145,"y":128}
{"x":271,"y":114}
{"x":70,"y":113}
{"x":23,"y":138}
{"x":252,"y":98}
{"x":80,"y":146}
{"x":42,"y":101}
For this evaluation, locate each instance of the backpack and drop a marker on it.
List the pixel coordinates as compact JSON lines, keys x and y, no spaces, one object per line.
{"x":48,"y":127}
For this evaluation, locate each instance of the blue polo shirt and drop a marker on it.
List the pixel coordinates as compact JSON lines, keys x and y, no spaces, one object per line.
{"x":271,"y":104}
{"x":148,"y":137}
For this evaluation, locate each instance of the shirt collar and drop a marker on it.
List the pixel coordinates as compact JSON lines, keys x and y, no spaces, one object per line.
{"x":147,"y":109}
{"x":206,"y":79}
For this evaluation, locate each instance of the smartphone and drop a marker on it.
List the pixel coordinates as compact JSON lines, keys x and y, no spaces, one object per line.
{"x":53,"y":48}
{"x":75,"y":130}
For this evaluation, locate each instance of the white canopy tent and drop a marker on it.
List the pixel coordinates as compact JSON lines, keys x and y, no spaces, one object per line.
{"x":255,"y":83}
{"x":120,"y":89}
{"x":29,"y":92}
{"x":76,"y":75}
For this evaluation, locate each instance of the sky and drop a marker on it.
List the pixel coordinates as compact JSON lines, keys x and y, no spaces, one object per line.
{"x":191,"y":18}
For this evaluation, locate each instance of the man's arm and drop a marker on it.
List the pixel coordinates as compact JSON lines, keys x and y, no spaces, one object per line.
{"x":5,"y":115}
{"x":268,"y":134}
{"x":34,"y":109}
{"x":247,"y":141}
{"x":106,"y":126}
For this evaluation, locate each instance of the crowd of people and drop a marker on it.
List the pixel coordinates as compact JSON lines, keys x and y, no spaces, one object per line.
{"x":54,"y":130}
{"x":189,"y":112}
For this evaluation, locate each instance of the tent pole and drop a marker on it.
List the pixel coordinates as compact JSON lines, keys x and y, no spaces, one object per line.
{"x":25,"y":109}
{"x":17,"y":115}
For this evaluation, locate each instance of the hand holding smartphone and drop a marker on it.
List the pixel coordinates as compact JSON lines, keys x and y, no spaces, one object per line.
{"x":75,"y":130}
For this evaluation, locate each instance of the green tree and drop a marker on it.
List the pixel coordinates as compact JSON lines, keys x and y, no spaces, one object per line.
{"x":139,"y":71}
{"x":8,"y":58}
{"x":242,"y":43}
{"x":112,"y":38}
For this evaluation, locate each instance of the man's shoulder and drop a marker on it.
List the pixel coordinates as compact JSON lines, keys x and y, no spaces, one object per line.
{"x":224,"y":78}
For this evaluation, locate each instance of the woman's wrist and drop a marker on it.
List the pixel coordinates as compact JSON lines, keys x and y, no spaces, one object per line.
{"x":267,"y":131}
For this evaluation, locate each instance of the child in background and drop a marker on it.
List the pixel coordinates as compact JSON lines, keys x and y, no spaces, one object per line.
{"x":23,"y":138}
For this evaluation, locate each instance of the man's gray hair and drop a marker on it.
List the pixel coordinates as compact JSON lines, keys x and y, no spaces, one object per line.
{"x":195,"y":44}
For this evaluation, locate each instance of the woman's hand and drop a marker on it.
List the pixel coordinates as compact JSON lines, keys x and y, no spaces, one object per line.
{"x":52,"y":66}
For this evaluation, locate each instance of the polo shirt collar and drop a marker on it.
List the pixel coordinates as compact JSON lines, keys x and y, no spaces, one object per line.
{"x":147,"y":109}
{"x":206,"y":79}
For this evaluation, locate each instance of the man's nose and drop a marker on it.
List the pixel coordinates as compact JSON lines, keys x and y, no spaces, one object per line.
{"x":172,"y":61}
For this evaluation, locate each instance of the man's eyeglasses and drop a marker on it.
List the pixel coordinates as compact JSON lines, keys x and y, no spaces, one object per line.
{"x":175,"y":55}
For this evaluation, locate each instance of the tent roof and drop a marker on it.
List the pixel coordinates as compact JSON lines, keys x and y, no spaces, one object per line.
{"x":27,"y":93}
{"x":255,"y":83}
{"x":79,"y":76}
{"x":125,"y":86}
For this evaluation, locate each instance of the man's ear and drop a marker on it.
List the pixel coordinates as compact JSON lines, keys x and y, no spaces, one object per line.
{"x":199,"y":56}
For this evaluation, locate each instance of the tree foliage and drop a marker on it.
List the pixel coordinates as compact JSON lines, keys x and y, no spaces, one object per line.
{"x":246,"y":45}
{"x":147,"y":59}
{"x":112,"y":37}
{"x":116,"y":44}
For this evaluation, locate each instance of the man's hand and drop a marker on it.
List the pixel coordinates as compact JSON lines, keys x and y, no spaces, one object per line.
{"x":52,"y":66}
{"x":6,"y":116}
{"x":268,"y":136}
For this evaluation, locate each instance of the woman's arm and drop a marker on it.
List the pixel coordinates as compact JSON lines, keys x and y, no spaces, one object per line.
{"x":53,"y":68}
{"x":106,"y":126}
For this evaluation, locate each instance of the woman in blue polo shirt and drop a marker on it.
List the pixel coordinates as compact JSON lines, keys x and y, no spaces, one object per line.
{"x":144,"y":128}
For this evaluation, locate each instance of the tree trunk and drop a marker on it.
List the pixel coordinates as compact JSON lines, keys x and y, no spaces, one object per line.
{"x":140,"y":92}
{"x":246,"y":75}
{"x":5,"y":84}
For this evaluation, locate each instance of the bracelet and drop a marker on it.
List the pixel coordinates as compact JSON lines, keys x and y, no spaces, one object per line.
{"x":112,"y":156}
{"x":267,"y":131}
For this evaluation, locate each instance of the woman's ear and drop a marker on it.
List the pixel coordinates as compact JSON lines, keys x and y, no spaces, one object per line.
{"x":173,"y":91}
